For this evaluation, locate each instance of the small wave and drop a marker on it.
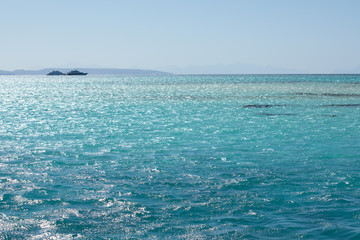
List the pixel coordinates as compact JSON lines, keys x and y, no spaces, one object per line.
{"x":329,"y":94}
{"x":342,"y":105}
{"x":277,"y":114}
{"x":265,"y":105}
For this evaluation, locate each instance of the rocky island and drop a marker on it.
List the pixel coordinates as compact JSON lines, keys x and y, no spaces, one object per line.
{"x":76,"y":72}
{"x":55,"y":73}
{"x":71,"y":73}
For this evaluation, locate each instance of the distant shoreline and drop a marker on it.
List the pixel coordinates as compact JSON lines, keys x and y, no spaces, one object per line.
{"x":150,"y":72}
{"x":90,"y":71}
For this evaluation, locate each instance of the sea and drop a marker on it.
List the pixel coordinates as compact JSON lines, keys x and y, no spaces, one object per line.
{"x":180,"y":157}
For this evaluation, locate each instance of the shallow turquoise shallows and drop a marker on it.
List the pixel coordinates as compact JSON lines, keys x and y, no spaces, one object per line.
{"x":180,"y":157}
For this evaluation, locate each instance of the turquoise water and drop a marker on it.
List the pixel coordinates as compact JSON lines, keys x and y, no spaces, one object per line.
{"x":180,"y":157}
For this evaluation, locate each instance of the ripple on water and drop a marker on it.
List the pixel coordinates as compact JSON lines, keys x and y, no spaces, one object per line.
{"x":199,"y":157}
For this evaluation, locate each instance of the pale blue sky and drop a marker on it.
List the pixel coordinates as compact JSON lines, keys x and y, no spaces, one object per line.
{"x":316,"y":36}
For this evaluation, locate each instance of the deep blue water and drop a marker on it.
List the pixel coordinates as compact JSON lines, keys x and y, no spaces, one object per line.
{"x":180,"y":157}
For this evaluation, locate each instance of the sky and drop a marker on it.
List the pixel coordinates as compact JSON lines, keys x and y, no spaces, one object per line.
{"x":311,"y":36}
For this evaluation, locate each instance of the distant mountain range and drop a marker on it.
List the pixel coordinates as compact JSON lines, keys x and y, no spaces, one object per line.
{"x":210,"y":69}
{"x":236,"y":68}
{"x":90,"y":71}
{"x":243,"y":68}
{"x":355,"y":70}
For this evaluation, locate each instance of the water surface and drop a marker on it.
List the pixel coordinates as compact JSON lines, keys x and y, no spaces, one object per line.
{"x":181,"y":156}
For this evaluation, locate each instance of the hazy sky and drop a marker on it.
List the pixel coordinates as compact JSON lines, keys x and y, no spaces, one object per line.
{"x":316,"y":36}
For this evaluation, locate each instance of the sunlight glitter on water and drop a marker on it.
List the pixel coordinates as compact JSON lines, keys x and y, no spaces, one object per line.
{"x":179,"y":156}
